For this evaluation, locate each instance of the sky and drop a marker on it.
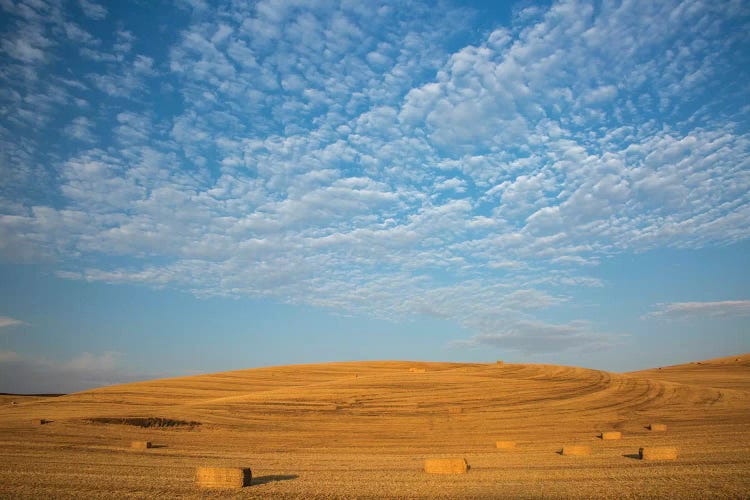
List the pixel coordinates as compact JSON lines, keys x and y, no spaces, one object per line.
{"x":194,"y":186}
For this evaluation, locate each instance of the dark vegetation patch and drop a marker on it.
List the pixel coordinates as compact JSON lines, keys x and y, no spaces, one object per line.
{"x":157,"y":422}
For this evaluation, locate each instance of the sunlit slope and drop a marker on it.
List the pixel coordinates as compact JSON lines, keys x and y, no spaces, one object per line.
{"x":376,"y":403}
{"x":348,"y":430}
{"x":732,"y":372}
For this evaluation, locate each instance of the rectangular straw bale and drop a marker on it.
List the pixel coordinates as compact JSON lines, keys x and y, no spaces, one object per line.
{"x":417,"y":370}
{"x":455,"y":410}
{"x":223,"y":477}
{"x":499,"y":362}
{"x":658,"y":427}
{"x":658,"y":453}
{"x":505,"y":445}
{"x":610,"y":435}
{"x":140,"y":445}
{"x":446,"y":466}
{"x":576,"y":450}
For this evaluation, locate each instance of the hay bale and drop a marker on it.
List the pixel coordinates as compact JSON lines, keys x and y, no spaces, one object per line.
{"x":454,"y":410}
{"x":417,"y":370}
{"x":446,"y":466}
{"x":140,"y":445}
{"x":499,"y":362}
{"x":576,"y":450}
{"x":658,"y":427}
{"x":223,"y":477}
{"x":505,"y":445}
{"x":611,"y":435}
{"x":660,"y":453}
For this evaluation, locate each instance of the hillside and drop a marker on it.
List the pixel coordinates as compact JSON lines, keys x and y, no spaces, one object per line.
{"x":364,"y":429}
{"x":732,"y":372}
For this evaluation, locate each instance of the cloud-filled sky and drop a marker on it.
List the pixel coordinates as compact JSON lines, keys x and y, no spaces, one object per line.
{"x":197,"y":186}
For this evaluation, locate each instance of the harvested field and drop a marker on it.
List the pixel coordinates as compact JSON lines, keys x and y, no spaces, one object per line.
{"x":317,"y":431}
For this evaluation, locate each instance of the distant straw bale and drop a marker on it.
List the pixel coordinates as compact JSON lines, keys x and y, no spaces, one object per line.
{"x":576,"y":450}
{"x":140,"y":445}
{"x":416,"y":370}
{"x":446,"y":466}
{"x":223,"y":477}
{"x":499,"y":362}
{"x":611,"y":435}
{"x":505,"y":445}
{"x":658,"y":427}
{"x":455,"y":410}
{"x":662,"y":453}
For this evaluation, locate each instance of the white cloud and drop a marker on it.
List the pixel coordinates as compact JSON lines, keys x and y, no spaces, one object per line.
{"x":93,"y":10}
{"x":339,"y":155}
{"x":6,"y":321}
{"x":81,"y":128}
{"x":541,"y":337}
{"x":688,"y":310}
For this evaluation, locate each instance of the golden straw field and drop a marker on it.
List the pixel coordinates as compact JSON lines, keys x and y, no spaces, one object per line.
{"x":365,"y":429}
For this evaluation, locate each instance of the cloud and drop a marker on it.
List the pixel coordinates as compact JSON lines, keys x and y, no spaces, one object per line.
{"x":688,"y":310}
{"x":21,"y":374}
{"x":93,"y":10}
{"x":376,"y":159}
{"x":532,"y":336}
{"x":7,"y":321}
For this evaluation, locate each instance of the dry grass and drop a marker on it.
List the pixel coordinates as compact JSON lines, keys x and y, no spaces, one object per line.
{"x":223,"y":477}
{"x":446,"y":466}
{"x":280,"y":421}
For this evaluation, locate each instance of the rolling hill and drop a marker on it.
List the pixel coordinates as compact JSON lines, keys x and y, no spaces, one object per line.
{"x":365,"y":428}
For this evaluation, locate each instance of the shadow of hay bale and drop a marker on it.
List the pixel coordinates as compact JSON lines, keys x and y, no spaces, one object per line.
{"x":274,"y":478}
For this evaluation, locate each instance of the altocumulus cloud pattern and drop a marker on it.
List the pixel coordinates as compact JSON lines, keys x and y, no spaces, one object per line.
{"x":373,"y":157}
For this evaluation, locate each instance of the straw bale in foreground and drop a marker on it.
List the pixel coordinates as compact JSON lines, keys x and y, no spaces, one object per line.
{"x":446,"y":466}
{"x":661,"y":453}
{"x":576,"y":450}
{"x":223,"y":477}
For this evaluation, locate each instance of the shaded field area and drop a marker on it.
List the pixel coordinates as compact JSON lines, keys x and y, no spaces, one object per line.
{"x":348,"y":430}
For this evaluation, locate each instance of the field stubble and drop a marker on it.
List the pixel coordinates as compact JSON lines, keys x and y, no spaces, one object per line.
{"x":365,"y":429}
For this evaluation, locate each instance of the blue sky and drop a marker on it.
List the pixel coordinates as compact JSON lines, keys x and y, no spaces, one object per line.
{"x":201,"y":186}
